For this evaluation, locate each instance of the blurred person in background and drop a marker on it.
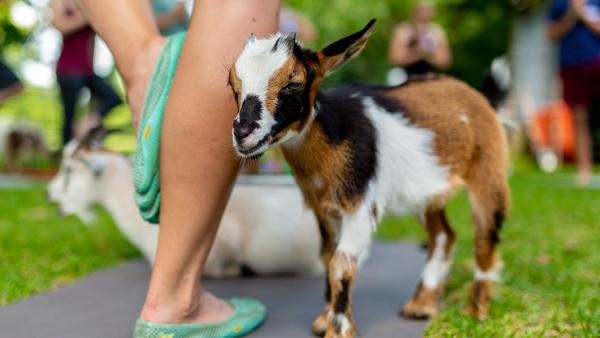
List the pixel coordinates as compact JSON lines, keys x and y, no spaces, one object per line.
{"x":9,"y":83}
{"x":74,"y":68}
{"x":419,"y":45}
{"x":170,"y":15}
{"x":575,"y":25}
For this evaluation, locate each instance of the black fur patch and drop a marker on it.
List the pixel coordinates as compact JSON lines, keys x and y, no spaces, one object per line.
{"x":292,"y":107}
{"x":341,"y":304}
{"x":276,"y":45}
{"x":498,"y":219}
{"x":327,"y":290}
{"x":341,"y":45}
{"x":249,"y":117}
{"x":342,"y":118}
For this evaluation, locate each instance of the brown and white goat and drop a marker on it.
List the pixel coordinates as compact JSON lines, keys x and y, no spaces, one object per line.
{"x":359,"y":151}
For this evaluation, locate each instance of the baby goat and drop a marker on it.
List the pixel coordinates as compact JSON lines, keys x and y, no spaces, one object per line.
{"x":255,"y":231}
{"x":359,"y":151}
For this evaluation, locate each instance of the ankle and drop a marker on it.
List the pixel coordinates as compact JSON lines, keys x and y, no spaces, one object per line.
{"x":178,"y":304}
{"x":165,"y":310}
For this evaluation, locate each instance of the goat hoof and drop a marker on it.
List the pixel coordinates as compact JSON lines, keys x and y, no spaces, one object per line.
{"x":320,"y":324}
{"x":333,"y":333}
{"x":417,"y":309}
{"x":479,"y":300}
{"x":476,"y":311}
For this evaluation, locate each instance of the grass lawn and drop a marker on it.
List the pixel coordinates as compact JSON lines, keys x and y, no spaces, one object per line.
{"x":551,"y":251}
{"x":550,"y":246}
{"x":40,"y":251}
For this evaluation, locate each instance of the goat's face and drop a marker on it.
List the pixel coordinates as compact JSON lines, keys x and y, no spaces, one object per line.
{"x":275,"y":82}
{"x":76,"y":187}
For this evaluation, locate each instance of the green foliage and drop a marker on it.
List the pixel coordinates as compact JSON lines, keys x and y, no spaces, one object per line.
{"x":478,"y":31}
{"x":9,"y":33}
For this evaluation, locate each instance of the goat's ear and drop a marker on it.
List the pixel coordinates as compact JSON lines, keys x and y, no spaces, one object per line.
{"x":334,"y":55}
{"x":92,"y":140}
{"x":286,"y":41}
{"x":95,"y":164}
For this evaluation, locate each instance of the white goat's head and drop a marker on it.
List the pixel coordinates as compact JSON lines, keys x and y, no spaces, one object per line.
{"x":275,"y":82}
{"x":77,"y":186}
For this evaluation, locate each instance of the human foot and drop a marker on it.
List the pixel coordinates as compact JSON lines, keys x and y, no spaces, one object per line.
{"x":206,"y":309}
{"x":137,"y":76}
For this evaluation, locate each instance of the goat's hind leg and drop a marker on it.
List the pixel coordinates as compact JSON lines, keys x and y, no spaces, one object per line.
{"x":489,"y":209}
{"x":441,"y":239}
{"x":355,"y":239}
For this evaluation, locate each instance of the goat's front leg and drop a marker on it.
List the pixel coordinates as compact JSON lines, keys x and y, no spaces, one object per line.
{"x":328,"y":245}
{"x":355,"y":239}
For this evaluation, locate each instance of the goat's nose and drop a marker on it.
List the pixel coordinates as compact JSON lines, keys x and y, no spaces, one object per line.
{"x":241,"y":131}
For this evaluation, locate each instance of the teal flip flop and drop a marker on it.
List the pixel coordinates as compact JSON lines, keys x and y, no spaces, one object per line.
{"x":247,"y":316}
{"x":146,"y":175}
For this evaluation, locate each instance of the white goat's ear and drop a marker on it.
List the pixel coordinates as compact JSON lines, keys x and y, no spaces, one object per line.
{"x":334,"y":55}
{"x":93,"y":139}
{"x":96,"y":164}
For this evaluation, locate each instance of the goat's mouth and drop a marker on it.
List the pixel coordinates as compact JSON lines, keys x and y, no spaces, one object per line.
{"x":255,"y":151}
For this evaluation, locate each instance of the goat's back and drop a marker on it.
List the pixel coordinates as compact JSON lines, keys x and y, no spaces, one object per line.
{"x":463,"y":122}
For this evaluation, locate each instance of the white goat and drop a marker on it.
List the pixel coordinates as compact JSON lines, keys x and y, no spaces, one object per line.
{"x":265,"y":228}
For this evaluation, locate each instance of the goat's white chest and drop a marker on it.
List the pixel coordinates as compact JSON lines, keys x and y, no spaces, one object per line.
{"x":408,"y":172}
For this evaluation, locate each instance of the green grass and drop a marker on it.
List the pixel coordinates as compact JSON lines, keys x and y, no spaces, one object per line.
{"x":551,"y":251}
{"x":550,"y":246}
{"x":39,"y":251}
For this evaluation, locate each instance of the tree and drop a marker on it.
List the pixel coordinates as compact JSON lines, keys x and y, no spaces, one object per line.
{"x":9,"y":33}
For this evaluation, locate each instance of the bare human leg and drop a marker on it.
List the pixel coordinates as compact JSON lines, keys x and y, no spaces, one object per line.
{"x":135,"y":46}
{"x":583,"y":146}
{"x":198,"y":164}
{"x":197,"y":161}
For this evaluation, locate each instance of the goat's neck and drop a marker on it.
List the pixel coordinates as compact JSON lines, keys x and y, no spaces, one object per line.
{"x":117,"y":197}
{"x":311,"y":148}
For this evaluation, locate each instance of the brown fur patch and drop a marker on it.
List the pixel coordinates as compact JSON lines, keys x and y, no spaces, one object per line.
{"x":291,"y":69}
{"x":319,"y":161}
{"x":235,"y":83}
{"x":459,"y":116}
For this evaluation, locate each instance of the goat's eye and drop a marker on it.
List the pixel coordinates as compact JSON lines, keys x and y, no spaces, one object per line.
{"x":293,"y":86}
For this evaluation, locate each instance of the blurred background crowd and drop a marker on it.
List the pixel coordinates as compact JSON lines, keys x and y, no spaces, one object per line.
{"x":66,"y":82}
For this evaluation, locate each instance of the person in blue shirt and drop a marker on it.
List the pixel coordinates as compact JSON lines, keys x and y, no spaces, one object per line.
{"x":575,"y":26}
